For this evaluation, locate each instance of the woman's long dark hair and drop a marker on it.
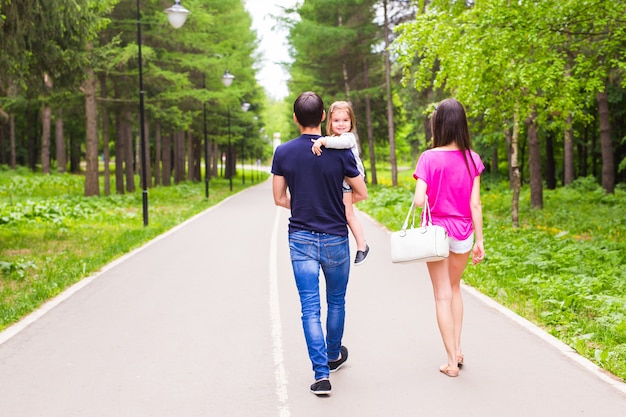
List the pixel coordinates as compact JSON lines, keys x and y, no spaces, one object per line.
{"x":449,"y":125}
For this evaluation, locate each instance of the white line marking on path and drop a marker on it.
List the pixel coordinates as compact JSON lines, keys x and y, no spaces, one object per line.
{"x":277,"y":330}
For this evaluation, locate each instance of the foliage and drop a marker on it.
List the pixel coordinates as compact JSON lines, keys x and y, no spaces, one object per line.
{"x":499,"y":62}
{"x":181,"y":70}
{"x":562,"y":269}
{"x":183,"y":67}
{"x":46,"y":37}
{"x":332,"y":42}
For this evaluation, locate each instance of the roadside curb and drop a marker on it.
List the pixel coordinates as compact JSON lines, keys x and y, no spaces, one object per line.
{"x":562,"y":347}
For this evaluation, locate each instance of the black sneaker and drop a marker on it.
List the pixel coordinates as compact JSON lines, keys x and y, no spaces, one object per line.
{"x":361,"y":255}
{"x":343,"y":357}
{"x":321,"y":387}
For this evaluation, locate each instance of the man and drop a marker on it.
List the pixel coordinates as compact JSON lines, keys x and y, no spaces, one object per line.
{"x":318,"y":234}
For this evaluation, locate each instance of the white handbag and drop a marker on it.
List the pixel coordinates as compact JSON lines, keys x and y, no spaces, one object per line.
{"x":427,"y":243}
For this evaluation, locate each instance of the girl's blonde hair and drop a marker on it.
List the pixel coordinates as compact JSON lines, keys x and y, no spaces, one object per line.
{"x":340,"y":106}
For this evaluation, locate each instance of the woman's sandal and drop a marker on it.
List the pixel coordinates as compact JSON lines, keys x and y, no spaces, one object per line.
{"x":459,"y":360}
{"x":449,"y":371}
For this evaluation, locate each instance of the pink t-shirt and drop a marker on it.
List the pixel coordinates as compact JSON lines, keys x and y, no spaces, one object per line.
{"x":449,"y":188}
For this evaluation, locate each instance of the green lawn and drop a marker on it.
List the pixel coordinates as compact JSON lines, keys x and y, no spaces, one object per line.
{"x":51,"y":236}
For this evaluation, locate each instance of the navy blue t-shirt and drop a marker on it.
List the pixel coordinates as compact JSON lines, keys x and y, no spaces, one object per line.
{"x":314,"y":184}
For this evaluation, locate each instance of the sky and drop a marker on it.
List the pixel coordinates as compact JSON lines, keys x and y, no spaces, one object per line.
{"x":272,"y":45}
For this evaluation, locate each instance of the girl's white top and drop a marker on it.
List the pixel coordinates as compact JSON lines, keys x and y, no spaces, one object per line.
{"x":347,"y":140}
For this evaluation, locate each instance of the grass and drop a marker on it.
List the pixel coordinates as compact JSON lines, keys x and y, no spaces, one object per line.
{"x":51,"y":236}
{"x":562,"y":269}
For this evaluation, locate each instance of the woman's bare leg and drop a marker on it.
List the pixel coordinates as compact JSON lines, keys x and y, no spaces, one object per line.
{"x":440,"y":278}
{"x":456,"y":265}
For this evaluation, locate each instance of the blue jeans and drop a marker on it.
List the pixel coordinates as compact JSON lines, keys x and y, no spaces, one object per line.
{"x":310,"y":251}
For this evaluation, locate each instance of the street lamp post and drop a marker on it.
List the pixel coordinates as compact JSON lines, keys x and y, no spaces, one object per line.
{"x":177,"y":15}
{"x":227,"y":80}
{"x":244,"y":107}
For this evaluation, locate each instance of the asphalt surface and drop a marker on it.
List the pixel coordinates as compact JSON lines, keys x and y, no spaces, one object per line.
{"x":205,"y":321}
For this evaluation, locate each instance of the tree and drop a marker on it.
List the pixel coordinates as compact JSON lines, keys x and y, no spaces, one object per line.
{"x":92,"y":186}
{"x":501,"y":64}
{"x":45,"y":39}
{"x":347,"y":69}
{"x":182,"y":70}
{"x":390,"y":125}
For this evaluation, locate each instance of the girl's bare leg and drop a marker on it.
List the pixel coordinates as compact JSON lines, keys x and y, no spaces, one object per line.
{"x":353,"y":222}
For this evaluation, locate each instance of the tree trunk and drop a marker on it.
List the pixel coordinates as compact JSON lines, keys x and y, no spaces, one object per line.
{"x":190,"y":156}
{"x":46,"y":129}
{"x":147,"y":156}
{"x":509,"y":153}
{"x":568,"y":152}
{"x":370,"y":126}
{"x":592,"y":150}
{"x":516,"y":183}
{"x":129,"y":162}
{"x":534,"y":163}
{"x":428,"y":132}
{"x":550,"y":163}
{"x":215,"y":159}
{"x":119,"y":153}
{"x":59,"y":141}
{"x":608,"y":167}
{"x":344,"y":67}
{"x":197,"y":158}
{"x":75,"y":155}
{"x":222,"y":160}
{"x":33,"y":135}
{"x":166,"y":157}
{"x":105,"y":135}
{"x":12,"y":154}
{"x":92,"y":186}
{"x":157,"y":154}
{"x":390,"y":125}
{"x":46,"y":123}
{"x":582,"y":168}
{"x":179,"y":157}
{"x":2,"y":142}
{"x":229,"y":169}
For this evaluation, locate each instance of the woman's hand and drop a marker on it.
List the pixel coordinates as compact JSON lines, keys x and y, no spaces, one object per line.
{"x":478,"y":253}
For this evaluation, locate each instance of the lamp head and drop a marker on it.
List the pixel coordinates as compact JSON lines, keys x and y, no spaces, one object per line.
{"x":227,"y":78}
{"x":177,"y":15}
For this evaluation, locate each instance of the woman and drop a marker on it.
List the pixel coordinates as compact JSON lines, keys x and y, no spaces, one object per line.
{"x":448,"y":175}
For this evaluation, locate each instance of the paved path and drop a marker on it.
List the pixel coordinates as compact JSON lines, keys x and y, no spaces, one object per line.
{"x":205,"y":321}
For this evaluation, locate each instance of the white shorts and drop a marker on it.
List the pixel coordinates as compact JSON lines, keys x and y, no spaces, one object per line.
{"x":461,"y":246}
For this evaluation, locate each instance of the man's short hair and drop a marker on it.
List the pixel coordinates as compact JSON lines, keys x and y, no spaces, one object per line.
{"x":309,"y":109}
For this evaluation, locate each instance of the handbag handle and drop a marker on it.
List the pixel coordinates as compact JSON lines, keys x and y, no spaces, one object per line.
{"x":426,"y":217}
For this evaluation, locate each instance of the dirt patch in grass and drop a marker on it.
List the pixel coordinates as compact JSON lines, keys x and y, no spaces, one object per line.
{"x":13,"y":253}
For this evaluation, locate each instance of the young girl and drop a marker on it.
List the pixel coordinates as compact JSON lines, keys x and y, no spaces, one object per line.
{"x":449,"y":176}
{"x":340,"y":129}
